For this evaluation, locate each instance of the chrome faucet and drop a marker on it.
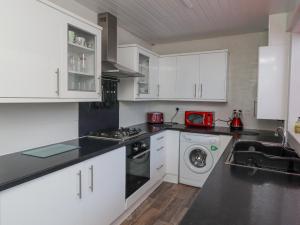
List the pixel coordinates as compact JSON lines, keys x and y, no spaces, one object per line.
{"x":280,"y":131}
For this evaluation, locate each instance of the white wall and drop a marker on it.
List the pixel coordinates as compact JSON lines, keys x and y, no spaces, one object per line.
{"x":24,"y":126}
{"x":243,"y":68}
{"x":133,"y":113}
{"x":125,"y":37}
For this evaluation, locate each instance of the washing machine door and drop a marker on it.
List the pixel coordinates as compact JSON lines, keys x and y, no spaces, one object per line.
{"x":198,"y":159}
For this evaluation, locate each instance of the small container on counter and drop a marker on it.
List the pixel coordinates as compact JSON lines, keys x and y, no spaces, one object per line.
{"x":297,"y":126}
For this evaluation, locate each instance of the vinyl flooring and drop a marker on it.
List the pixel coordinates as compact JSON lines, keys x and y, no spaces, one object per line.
{"x":165,"y":206}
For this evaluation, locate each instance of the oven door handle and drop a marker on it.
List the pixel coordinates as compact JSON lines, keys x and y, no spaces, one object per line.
{"x":140,"y":154}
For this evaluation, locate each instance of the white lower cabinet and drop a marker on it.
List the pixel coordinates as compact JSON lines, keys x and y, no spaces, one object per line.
{"x":51,"y":199}
{"x":88,"y":193}
{"x":172,"y":156}
{"x":105,"y":197}
{"x":158,"y":155}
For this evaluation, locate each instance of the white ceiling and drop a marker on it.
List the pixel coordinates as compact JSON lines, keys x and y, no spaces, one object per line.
{"x":159,"y":21}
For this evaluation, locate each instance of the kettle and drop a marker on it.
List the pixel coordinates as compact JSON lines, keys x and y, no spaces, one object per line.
{"x":236,"y":121}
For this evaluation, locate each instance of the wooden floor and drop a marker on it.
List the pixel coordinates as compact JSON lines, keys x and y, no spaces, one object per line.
{"x":165,"y":206}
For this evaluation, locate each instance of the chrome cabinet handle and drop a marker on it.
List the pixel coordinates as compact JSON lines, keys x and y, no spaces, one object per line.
{"x":158,"y":89}
{"x":159,"y":149}
{"x":57,"y":72}
{"x":195,"y":90}
{"x":201,"y":90}
{"x":92,"y":178}
{"x":142,"y":153}
{"x":100,"y":86}
{"x":138,"y":90}
{"x":79,"y":194}
{"x":160,"y":138}
{"x":254,"y":108}
{"x":158,"y":168}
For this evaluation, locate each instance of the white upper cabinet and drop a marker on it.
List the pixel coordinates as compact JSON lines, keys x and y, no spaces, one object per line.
{"x":187,"y":76}
{"x":143,"y":61}
{"x":30,"y":50}
{"x":167,"y":77}
{"x":194,"y":76}
{"x":213,"y":76}
{"x":35,"y":54}
{"x":200,"y":76}
{"x":272,"y":95}
{"x":81,"y":76}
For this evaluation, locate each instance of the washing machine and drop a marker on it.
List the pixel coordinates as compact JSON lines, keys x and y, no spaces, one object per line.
{"x":199,"y":153}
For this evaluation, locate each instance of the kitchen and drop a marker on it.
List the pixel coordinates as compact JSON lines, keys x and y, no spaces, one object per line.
{"x":193,"y":63}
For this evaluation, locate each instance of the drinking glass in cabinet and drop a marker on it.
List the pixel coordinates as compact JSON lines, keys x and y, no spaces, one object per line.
{"x":81,"y":60}
{"x":71,"y":36}
{"x":83,"y":63}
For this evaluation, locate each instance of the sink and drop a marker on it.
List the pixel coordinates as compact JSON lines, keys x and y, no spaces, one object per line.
{"x":264,"y":155}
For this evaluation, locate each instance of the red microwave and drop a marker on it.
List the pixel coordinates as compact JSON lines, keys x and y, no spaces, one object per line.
{"x":199,"y":119}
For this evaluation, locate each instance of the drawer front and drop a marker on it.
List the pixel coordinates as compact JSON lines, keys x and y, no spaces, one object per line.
{"x":158,"y":154}
{"x":158,"y":139}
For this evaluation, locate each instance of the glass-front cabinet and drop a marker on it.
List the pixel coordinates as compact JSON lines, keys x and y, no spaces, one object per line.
{"x":143,"y":61}
{"x":144,"y":68}
{"x":147,"y":86}
{"x":83,"y":61}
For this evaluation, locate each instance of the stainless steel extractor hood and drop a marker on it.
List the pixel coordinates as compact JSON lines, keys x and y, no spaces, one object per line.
{"x":110,"y":67}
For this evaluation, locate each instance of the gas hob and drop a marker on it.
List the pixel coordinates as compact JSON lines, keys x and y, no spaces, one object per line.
{"x":122,"y":134}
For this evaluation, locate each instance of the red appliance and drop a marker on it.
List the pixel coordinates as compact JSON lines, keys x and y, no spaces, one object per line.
{"x":155,"y":117}
{"x":236,"y":121}
{"x":199,"y":119}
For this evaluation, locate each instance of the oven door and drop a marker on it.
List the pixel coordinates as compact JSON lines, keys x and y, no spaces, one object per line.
{"x":137,"y":170}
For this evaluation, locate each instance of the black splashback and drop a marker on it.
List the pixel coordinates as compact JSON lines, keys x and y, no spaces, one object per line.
{"x":94,"y":116}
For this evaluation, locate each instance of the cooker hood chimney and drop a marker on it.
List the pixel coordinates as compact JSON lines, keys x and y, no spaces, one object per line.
{"x":110,"y":67}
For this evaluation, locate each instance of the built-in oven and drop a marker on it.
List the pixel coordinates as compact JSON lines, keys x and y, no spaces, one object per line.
{"x":137,"y":165}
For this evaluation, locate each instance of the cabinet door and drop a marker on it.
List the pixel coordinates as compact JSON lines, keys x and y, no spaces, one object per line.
{"x":151,"y":82}
{"x":105,"y":180}
{"x":144,"y":67}
{"x":272,"y":96}
{"x":154,"y":76}
{"x":51,"y":199}
{"x":172,"y":156}
{"x":158,"y":152}
{"x":167,"y":77}
{"x":30,"y":44}
{"x":213,"y":76}
{"x":187,"y":76}
{"x":81,"y":70}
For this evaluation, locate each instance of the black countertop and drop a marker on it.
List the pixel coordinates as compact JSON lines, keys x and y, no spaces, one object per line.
{"x":242,"y":196}
{"x":17,"y":168}
{"x":231,"y":195}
